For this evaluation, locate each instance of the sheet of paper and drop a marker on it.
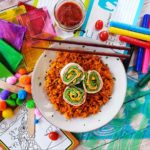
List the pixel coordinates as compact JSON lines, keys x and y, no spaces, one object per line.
{"x":11,"y":14}
{"x":5,"y":4}
{"x":14,"y":38}
{"x":128,"y":11}
{"x":13,"y":133}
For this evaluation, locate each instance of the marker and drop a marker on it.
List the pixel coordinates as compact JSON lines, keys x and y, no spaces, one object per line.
{"x":144,"y":81}
{"x":129,"y":27}
{"x":146,"y":59}
{"x":132,"y":34}
{"x":139,"y":59}
{"x":134,"y":41}
{"x":140,"y":53}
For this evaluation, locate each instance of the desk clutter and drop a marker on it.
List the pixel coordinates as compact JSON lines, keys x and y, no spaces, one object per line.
{"x":25,"y":32}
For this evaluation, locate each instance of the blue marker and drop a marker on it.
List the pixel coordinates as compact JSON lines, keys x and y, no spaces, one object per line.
{"x":130,"y":27}
{"x":140,"y":53}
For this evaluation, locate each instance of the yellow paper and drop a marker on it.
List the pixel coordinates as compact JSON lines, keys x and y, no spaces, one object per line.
{"x":132,"y":34}
{"x":30,"y":54}
{"x":11,"y":14}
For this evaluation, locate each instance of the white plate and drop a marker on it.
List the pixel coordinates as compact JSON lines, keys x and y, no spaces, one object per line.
{"x":108,"y":111}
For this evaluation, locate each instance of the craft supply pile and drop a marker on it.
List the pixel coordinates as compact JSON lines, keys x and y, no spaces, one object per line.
{"x":78,"y":79}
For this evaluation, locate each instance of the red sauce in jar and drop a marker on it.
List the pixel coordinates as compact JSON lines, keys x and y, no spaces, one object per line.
{"x":69,"y":14}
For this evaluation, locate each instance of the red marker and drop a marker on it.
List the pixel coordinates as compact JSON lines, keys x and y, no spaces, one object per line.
{"x":134,"y":41}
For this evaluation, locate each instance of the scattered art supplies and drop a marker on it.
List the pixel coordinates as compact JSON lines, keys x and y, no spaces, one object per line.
{"x":11,"y":14}
{"x":146,"y":57}
{"x":140,"y":53}
{"x":38,"y":23}
{"x":11,"y":55}
{"x":135,"y":32}
{"x":12,"y":33}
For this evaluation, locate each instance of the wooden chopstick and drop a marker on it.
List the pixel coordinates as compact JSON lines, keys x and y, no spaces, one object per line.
{"x":85,"y":44}
{"x":85,"y":52}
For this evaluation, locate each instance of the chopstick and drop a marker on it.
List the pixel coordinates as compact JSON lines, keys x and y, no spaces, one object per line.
{"x":85,"y":44}
{"x":85,"y":52}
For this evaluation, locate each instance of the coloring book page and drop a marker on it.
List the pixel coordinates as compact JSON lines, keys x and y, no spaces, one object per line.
{"x":14,"y":135}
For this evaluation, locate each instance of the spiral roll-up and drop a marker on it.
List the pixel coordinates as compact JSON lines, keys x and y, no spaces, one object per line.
{"x":92,"y":82}
{"x":74,"y":96}
{"x":72,"y":74}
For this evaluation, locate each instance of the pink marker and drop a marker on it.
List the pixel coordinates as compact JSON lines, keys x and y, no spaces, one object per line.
{"x":146,"y":59}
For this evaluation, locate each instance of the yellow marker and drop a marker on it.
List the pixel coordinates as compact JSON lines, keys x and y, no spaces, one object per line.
{"x":132,"y":34}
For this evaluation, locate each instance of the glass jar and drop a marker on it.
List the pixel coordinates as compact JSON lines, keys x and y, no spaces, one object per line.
{"x":69,"y":14}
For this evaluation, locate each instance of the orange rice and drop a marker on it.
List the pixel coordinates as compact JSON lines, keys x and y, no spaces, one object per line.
{"x":55,"y":87}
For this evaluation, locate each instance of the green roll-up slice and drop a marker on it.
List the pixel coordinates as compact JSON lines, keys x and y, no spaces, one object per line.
{"x":74,"y":96}
{"x":92,"y":82}
{"x":72,"y":74}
